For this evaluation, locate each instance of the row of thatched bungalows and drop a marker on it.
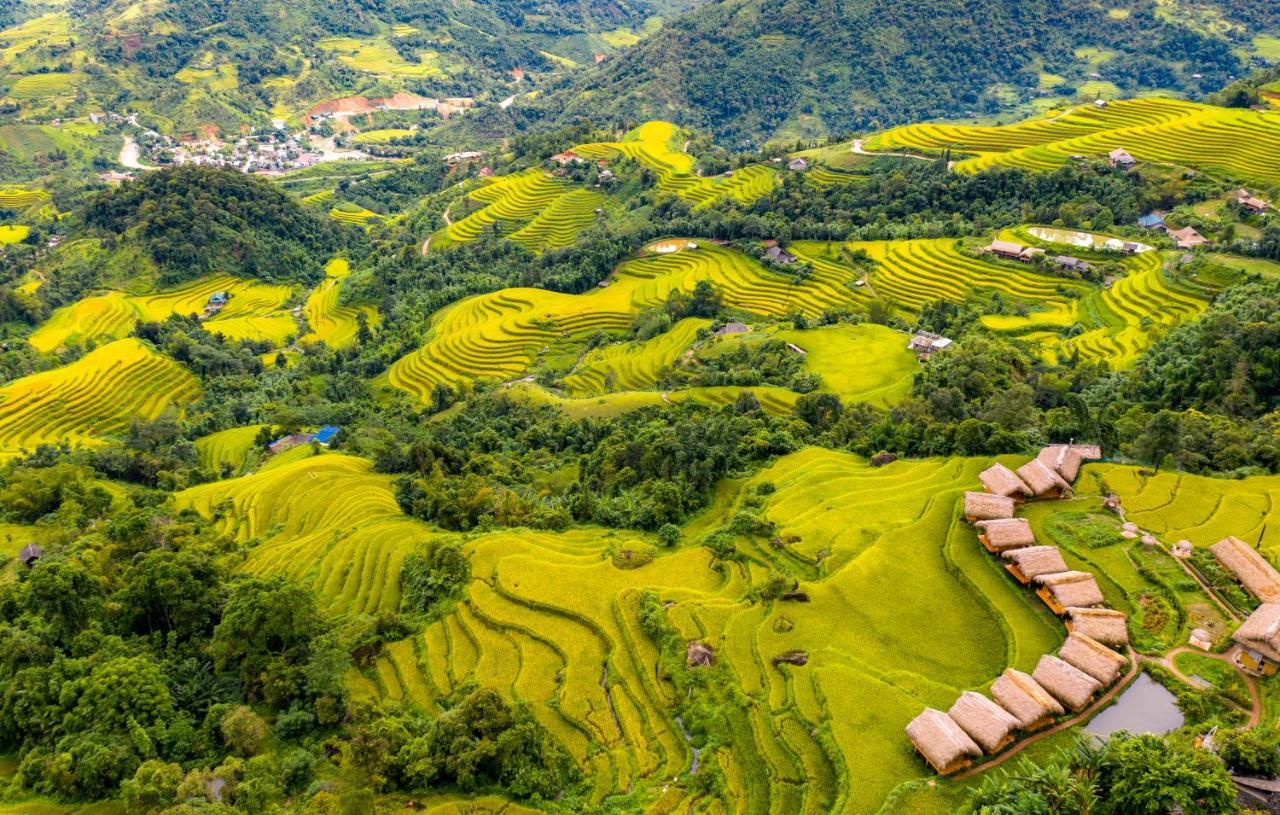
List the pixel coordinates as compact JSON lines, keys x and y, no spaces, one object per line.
{"x":1259,"y":635}
{"x":1084,"y":665}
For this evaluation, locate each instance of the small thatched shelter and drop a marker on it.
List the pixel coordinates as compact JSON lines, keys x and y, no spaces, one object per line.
{"x":1064,"y":590}
{"x":699,"y":655}
{"x":1253,"y":571}
{"x":1260,"y":634}
{"x":941,"y":741}
{"x":1105,"y":625}
{"x":1000,"y":480}
{"x":1005,"y":534}
{"x":1094,"y":658}
{"x":1022,"y":696}
{"x":1043,"y":481}
{"x":1068,"y":684}
{"x":990,"y":725}
{"x":1033,"y":561}
{"x":1066,"y":459}
{"x":983,"y":506}
{"x":30,"y":554}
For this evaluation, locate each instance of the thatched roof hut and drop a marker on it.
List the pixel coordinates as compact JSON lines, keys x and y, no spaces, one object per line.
{"x":1105,"y":625}
{"x":1022,"y":696}
{"x":1094,"y":658}
{"x":1005,"y":534}
{"x":1068,"y":684}
{"x":1000,"y":480}
{"x":941,"y":741}
{"x":1261,"y":631}
{"x":1043,"y":481}
{"x":983,"y":506}
{"x":1064,"y":590}
{"x":990,"y":725}
{"x":1033,"y":561}
{"x":1253,"y":571}
{"x":699,"y":655}
{"x":1066,"y":459}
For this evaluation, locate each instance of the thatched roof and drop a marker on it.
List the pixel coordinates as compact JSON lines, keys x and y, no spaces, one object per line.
{"x":699,"y":654}
{"x":940,"y":739}
{"x":1250,"y":567}
{"x":986,"y":722}
{"x":1077,"y":589}
{"x":1261,"y":631}
{"x":1102,"y":624}
{"x":1007,"y":533}
{"x":1034,"y":561}
{"x":1092,"y":657}
{"x":1068,"y":684}
{"x":1041,"y":478}
{"x":1023,"y":697}
{"x":1066,"y":459}
{"x":984,"y":506}
{"x":1000,"y":480}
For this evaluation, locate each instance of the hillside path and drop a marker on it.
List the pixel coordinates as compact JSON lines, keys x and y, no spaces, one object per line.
{"x":1166,"y":662}
{"x":447,"y":222}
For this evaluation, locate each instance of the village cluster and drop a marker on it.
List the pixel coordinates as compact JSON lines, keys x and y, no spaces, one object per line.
{"x":1085,"y":664}
{"x":1090,"y":660}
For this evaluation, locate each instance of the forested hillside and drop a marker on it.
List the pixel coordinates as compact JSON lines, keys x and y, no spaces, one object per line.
{"x":754,"y":69}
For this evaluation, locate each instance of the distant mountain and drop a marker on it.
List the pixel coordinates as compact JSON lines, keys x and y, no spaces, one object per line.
{"x":189,"y":63}
{"x":753,"y":69}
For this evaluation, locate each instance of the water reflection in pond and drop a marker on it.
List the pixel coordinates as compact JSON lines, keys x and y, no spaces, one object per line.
{"x":1087,"y":240}
{"x":1144,"y":707}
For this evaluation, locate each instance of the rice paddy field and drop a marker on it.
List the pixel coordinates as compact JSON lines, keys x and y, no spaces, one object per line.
{"x":227,"y":448}
{"x":382,"y":136}
{"x":1200,"y":509}
{"x":43,"y":86}
{"x":254,"y":311}
{"x":377,"y":56}
{"x":499,"y":335}
{"x":332,"y":323}
{"x":658,"y":146}
{"x":1115,"y":324}
{"x":348,"y":213}
{"x":327,"y":520}
{"x":532,"y":208}
{"x":94,"y":397}
{"x":550,"y":619}
{"x":22,"y":198}
{"x":13,"y":233}
{"x":1237,"y":143}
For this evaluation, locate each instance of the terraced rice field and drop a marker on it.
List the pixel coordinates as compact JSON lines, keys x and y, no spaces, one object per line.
{"x":228,"y":448}
{"x":13,"y":233}
{"x":349,"y":213}
{"x":51,"y":29}
{"x":1241,"y":144}
{"x":21,"y":198}
{"x":92,"y":398}
{"x":377,"y":56}
{"x":632,"y":366}
{"x":254,"y":312}
{"x":328,"y":520}
{"x":43,"y":86}
{"x":221,"y":78}
{"x":518,"y":203}
{"x":657,"y":145}
{"x":1118,"y":323}
{"x":498,"y":335}
{"x":331,"y":323}
{"x":549,"y":619}
{"x":861,"y":363}
{"x":383,"y":136}
{"x":1200,"y":509}
{"x":562,"y":222}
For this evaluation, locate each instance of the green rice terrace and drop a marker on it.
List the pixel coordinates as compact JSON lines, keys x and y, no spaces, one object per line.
{"x":471,"y":440}
{"x":1237,"y":143}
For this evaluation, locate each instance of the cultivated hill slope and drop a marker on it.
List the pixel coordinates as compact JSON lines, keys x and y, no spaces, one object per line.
{"x":754,"y":68}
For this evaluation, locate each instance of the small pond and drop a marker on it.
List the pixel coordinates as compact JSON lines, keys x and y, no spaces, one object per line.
{"x":1072,"y":237}
{"x":1144,"y":707}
